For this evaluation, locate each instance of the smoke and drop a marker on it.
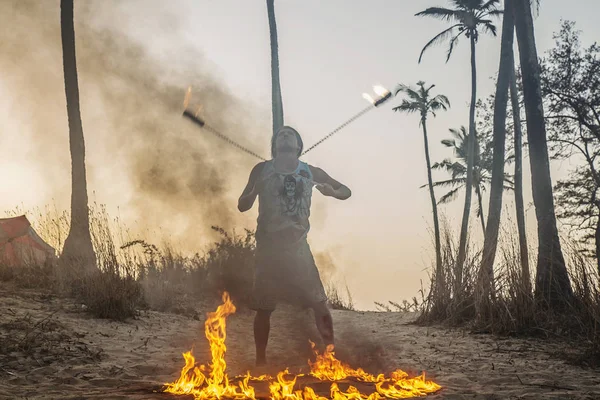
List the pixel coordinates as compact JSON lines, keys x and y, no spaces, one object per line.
{"x":140,"y":153}
{"x":325,"y":264}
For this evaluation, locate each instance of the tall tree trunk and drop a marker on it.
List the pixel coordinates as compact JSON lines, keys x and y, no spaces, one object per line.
{"x":486,"y":273}
{"x":78,"y":249}
{"x":462,"y":248}
{"x":480,"y":203}
{"x":440,"y":279}
{"x":552,"y":281}
{"x":519,"y":203}
{"x":277,"y":102}
{"x":597,"y":237}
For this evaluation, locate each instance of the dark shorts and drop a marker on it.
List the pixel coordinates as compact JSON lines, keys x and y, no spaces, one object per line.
{"x":286,"y":274}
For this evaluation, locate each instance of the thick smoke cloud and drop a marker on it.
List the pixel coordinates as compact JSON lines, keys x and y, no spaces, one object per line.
{"x":141,"y":154}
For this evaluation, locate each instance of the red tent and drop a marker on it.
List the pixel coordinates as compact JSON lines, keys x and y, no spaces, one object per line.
{"x":20,"y":244}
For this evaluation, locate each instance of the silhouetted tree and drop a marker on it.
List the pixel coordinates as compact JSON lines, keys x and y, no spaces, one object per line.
{"x":468,"y":18}
{"x":552,"y":280}
{"x":78,"y":248}
{"x":420,"y":101}
{"x":277,"y":102}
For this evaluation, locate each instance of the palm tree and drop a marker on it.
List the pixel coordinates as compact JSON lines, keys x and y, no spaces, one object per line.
{"x":468,"y":17}
{"x":486,"y":272}
{"x":552,"y":280}
{"x":458,"y":171}
{"x":78,"y":248}
{"x":277,"y":102}
{"x":420,"y":101}
{"x":519,"y":203}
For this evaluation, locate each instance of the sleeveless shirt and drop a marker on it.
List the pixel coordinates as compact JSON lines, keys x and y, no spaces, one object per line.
{"x":284,"y":205}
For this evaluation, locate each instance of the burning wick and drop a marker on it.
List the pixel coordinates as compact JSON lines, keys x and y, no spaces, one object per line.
{"x":194,"y":116}
{"x":383,"y":93}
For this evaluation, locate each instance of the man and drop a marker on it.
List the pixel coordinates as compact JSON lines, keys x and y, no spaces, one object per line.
{"x":285,"y":268}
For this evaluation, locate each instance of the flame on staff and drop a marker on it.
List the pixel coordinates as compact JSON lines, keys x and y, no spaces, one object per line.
{"x":382,"y":93}
{"x":368,"y":98}
{"x":193,"y":115}
{"x":186,"y":99}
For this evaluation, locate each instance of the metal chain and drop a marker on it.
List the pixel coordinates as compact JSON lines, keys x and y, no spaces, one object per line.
{"x":244,"y":149}
{"x":339,"y":128}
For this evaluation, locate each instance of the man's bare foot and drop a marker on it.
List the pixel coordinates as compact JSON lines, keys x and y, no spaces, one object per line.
{"x":261,"y":361}
{"x":262,"y":371}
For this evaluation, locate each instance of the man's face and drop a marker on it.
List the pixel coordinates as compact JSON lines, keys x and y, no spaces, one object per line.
{"x":286,"y":141}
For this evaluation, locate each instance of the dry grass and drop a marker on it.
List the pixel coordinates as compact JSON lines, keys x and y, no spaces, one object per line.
{"x":512,"y":309}
{"x":134,"y":274}
{"x":337,"y":301}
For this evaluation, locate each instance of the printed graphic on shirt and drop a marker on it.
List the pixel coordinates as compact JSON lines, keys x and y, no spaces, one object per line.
{"x":293,"y":196}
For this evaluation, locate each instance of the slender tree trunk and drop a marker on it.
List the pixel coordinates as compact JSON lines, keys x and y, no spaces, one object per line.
{"x":597,"y":237}
{"x":486,"y":273}
{"x":462,"y":248}
{"x":480,"y":203}
{"x":277,"y":102}
{"x":440,"y":280}
{"x":519,"y":203}
{"x":78,"y":249}
{"x":552,"y":281}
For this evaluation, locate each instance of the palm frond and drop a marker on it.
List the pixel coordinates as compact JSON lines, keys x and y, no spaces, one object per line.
{"x":490,"y":28}
{"x":439,"y":102}
{"x":407,"y":107}
{"x":493,"y":13}
{"x":448,"y":197}
{"x":478,"y":211}
{"x":442,"y":13}
{"x":413,"y":94}
{"x":449,"y":142}
{"x":440,"y":37}
{"x":453,"y":42}
{"x":445,"y":164}
{"x":450,"y":182}
{"x":461,"y":134}
{"x":490,"y":4}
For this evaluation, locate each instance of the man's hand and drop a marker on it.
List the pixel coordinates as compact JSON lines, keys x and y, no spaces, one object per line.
{"x":329,"y":186}
{"x":326,"y":189}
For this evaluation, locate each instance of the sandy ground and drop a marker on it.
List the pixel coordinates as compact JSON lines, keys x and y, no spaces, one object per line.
{"x":51,"y":349}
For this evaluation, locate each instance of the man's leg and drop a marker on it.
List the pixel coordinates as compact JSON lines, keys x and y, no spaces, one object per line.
{"x":324,"y":322}
{"x":262,"y":325}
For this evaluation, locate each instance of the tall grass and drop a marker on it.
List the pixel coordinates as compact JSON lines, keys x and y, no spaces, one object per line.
{"x":134,"y":273}
{"x":511,"y":309}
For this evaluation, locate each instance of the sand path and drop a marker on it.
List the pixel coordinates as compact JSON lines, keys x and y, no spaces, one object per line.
{"x":59,"y":352}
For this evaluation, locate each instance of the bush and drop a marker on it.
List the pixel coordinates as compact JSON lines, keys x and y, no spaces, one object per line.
{"x":106,"y":294}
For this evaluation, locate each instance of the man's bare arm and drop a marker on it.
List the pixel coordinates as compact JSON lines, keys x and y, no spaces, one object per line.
{"x":246,"y":200}
{"x":329,"y":186}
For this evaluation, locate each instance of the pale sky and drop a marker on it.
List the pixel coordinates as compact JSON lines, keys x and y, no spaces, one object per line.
{"x":330,"y":53}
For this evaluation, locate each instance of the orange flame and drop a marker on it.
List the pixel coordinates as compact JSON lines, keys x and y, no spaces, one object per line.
{"x":193,"y":380}
{"x":368,"y":98}
{"x":186,"y":102}
{"x":186,"y":99}
{"x":380,"y":90}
